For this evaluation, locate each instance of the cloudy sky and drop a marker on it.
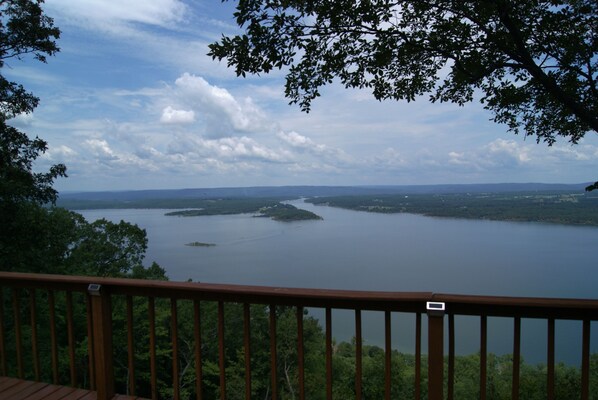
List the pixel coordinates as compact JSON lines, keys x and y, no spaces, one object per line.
{"x":133,"y":102}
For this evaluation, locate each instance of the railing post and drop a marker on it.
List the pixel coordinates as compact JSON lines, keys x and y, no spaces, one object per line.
{"x":101,"y":316}
{"x":435,"y":350}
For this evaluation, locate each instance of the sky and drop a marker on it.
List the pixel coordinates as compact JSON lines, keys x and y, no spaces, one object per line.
{"x":132,"y":101}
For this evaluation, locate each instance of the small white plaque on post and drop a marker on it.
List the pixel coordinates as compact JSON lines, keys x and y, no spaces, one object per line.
{"x":435,"y":308}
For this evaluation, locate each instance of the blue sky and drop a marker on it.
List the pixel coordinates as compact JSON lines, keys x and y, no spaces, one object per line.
{"x":133,"y":102}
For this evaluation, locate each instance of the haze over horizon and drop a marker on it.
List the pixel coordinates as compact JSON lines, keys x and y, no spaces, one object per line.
{"x":132,"y":102}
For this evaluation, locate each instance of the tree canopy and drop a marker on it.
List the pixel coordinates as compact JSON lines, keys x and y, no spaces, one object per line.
{"x":533,"y":64}
{"x":24,"y":29}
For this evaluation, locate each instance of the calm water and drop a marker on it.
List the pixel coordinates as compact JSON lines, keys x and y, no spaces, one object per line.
{"x":395,"y":252}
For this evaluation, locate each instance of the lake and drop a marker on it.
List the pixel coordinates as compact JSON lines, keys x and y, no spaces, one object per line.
{"x":388,"y":252}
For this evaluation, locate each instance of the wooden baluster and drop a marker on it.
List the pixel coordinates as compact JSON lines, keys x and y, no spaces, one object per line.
{"x":151,"y":308}
{"x":358,"y":356}
{"x":516,"y":357}
{"x":2,"y":340}
{"x":585,"y":360}
{"x":90,"y":341}
{"x":435,"y":352}
{"x":247,"y":348}
{"x":71,"y":337}
{"x":130,"y":347}
{"x":197,"y":334}
{"x":451,"y":357}
{"x":34,"y":339}
{"x":221,"y":354}
{"x":175,"y":348}
{"x":16,"y":307}
{"x":273,"y":359}
{"x":387,"y":355}
{"x":483,"y":355}
{"x":101,"y":309}
{"x":418,"y":356}
{"x":300,"y":353}
{"x":550,"y":361}
{"x":328,"y":353}
{"x":54,"y":346}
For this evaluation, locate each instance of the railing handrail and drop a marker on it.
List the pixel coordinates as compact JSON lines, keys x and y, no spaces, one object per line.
{"x":531,"y":307}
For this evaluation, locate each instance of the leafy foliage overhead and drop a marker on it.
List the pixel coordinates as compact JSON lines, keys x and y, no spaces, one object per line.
{"x":24,"y":29}
{"x":533,"y":64}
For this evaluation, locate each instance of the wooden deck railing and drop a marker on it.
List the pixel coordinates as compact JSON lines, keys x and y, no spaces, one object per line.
{"x":20,"y":319}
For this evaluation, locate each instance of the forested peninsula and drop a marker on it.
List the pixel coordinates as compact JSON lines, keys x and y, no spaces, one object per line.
{"x":567,"y":208}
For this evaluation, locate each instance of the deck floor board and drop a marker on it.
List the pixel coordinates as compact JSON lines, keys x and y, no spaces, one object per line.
{"x":17,"y":389}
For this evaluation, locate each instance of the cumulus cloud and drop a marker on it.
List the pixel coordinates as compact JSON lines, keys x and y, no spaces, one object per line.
{"x":172,"y":116}
{"x":219,"y":108}
{"x":227,"y":149}
{"x":507,"y":152}
{"x":60,"y":153}
{"x":499,"y":153}
{"x":299,"y":141}
{"x":100,"y":149}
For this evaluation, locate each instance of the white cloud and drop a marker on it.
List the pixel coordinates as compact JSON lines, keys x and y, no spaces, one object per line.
{"x":172,"y":116}
{"x":151,"y":12}
{"x":219,"y":107}
{"x":100,"y":149}
{"x":226,"y":149}
{"x":507,"y":152}
{"x":299,"y":141}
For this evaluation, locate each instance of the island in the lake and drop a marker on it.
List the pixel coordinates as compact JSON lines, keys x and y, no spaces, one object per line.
{"x":200,"y":244}
{"x":270,"y":208}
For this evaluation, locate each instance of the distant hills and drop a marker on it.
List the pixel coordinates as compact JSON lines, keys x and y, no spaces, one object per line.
{"x":308,"y":191}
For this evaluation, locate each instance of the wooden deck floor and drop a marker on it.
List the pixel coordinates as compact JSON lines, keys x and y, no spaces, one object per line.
{"x":16,"y":389}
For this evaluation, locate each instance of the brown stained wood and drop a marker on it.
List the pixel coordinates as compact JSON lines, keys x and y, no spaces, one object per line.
{"x":585,"y":360}
{"x":575,"y":309}
{"x":516,"y":358}
{"x":7,"y":382}
{"x":197,"y":350}
{"x":418,"y":356}
{"x":91,"y":360}
{"x":273,"y":354}
{"x":16,"y":307}
{"x":358,"y":356}
{"x":174,"y":338}
{"x":2,"y":347}
{"x":451,"y":357}
{"x":23,"y":390}
{"x":435,"y":357}
{"x":550,"y":361}
{"x":71,"y":337}
{"x":300,"y":353}
{"x":130,"y":345}
{"x":34,"y":339}
{"x":328,"y":354}
{"x":151,"y":310}
{"x":387,"y":355}
{"x":221,"y":354}
{"x":101,"y":308}
{"x":483,"y":355}
{"x":247,"y":348}
{"x":549,"y":309}
{"x":53,"y":342}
